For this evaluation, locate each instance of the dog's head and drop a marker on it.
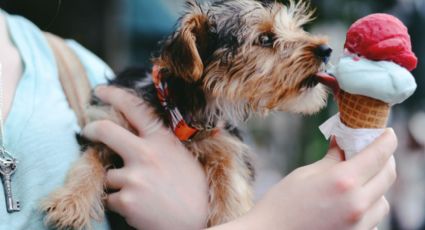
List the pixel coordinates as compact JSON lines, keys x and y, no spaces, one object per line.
{"x":249,"y":56}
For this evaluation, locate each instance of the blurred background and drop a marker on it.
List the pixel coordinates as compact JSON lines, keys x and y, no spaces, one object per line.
{"x":126,"y":33}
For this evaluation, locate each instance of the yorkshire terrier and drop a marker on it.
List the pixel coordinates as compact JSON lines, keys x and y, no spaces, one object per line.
{"x":227,"y":60}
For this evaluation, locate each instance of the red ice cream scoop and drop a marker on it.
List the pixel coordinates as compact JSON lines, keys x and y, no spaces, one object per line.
{"x":381,"y":37}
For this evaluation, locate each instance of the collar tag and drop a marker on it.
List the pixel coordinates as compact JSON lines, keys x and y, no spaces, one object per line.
{"x":181,"y":129}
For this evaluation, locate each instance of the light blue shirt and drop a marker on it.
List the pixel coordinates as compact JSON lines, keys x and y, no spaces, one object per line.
{"x":40,"y":128}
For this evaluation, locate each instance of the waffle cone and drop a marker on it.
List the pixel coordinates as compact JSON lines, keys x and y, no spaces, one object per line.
{"x":358,"y":111}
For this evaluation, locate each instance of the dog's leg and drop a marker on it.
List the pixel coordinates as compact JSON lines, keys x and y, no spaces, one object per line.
{"x":230,"y":176}
{"x":74,"y":205}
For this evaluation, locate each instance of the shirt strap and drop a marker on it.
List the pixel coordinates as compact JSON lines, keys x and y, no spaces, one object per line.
{"x":72,"y":76}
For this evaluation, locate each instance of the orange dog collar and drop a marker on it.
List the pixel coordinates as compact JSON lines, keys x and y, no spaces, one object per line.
{"x":181,"y":129}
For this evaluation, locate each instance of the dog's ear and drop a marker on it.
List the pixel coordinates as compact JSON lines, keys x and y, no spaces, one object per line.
{"x":183,"y":51}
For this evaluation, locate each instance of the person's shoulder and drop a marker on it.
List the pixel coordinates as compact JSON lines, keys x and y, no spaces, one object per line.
{"x":32,"y":39}
{"x":16,"y":18}
{"x":97,"y":70}
{"x":20,"y":25}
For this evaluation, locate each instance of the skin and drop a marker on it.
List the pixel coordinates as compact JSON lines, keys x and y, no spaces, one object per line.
{"x":11,"y":67}
{"x":161,"y":185}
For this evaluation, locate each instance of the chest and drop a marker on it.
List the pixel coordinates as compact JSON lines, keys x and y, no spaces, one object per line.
{"x":10,"y":74}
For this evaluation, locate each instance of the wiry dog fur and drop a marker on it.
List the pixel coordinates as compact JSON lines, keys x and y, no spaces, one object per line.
{"x":226,"y":61}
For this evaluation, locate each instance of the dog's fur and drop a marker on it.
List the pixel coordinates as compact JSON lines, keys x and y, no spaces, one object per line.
{"x":221,"y":69}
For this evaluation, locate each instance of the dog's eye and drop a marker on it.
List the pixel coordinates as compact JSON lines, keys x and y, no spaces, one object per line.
{"x":266,"y":40}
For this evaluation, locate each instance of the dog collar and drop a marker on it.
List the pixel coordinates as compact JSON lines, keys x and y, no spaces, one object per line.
{"x":181,"y":129}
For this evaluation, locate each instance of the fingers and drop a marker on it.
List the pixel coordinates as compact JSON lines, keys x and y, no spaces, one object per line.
{"x":380,"y":184}
{"x":122,"y":202}
{"x":136,"y":111}
{"x":370,"y":161}
{"x":115,"y":179}
{"x":114,"y":202}
{"x":375,"y":214}
{"x":122,"y":141}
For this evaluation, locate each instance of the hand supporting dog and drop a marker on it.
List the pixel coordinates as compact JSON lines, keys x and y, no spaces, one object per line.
{"x":161,"y":186}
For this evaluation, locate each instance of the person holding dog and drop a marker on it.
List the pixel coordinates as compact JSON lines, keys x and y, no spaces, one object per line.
{"x":153,"y":193}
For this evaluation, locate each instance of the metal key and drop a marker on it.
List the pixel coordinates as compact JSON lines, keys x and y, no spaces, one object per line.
{"x":7,"y":168}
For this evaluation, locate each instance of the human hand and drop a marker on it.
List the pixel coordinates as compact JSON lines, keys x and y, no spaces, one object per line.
{"x":161,"y":186}
{"x":329,"y":194}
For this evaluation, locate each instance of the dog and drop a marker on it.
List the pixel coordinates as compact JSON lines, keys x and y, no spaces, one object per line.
{"x":226,"y":61}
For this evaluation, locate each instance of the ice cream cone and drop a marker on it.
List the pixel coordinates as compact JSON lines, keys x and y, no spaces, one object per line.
{"x":371,"y":76}
{"x":359,"y":112}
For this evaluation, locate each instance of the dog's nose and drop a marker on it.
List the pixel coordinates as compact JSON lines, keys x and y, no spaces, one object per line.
{"x":324,"y":52}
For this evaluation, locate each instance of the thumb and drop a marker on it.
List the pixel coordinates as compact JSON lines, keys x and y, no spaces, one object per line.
{"x":334,"y":155}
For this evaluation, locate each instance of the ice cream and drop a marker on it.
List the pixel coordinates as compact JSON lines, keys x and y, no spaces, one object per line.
{"x":372,"y":76}
{"x":382,"y":80}
{"x":381,"y":37}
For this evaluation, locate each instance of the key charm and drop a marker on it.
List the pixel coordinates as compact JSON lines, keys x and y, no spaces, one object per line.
{"x":7,"y":168}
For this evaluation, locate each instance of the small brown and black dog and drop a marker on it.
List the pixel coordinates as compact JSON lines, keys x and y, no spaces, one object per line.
{"x":226,"y":61}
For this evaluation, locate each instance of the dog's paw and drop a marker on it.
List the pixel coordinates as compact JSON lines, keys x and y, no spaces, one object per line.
{"x":68,"y":209}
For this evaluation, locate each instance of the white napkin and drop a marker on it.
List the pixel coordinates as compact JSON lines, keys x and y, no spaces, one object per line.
{"x":348,"y":139}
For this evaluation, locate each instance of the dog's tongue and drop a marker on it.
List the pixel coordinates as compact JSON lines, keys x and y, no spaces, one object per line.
{"x":329,"y":81}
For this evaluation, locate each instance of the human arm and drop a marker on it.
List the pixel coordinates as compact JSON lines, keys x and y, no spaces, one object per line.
{"x":329,"y":194}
